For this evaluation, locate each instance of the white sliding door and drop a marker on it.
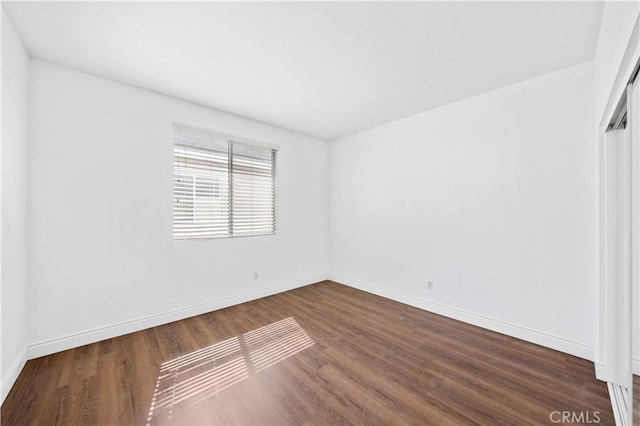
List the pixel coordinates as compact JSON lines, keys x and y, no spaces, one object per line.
{"x":619,"y":254}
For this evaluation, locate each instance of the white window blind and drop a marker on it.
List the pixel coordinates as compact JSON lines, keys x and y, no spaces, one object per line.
{"x":221,"y":188}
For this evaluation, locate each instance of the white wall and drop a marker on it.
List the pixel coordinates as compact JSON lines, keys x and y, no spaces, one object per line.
{"x":492,"y":198}
{"x":13,"y":258}
{"x":101,"y":247}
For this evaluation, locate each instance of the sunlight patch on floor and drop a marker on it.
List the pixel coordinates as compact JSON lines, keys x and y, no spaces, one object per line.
{"x":201,"y":374}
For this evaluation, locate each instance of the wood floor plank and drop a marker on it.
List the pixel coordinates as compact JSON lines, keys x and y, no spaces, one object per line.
{"x":317,"y":355}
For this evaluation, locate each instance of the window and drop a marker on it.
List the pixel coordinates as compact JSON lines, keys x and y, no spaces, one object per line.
{"x":222,"y":187}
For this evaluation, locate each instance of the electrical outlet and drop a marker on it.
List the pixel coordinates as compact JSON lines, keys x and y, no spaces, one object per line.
{"x":429,"y":285}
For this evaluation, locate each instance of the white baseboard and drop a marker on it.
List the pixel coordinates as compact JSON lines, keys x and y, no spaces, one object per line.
{"x":602,"y":373}
{"x":47,"y":347}
{"x":12,"y":374}
{"x":524,"y":333}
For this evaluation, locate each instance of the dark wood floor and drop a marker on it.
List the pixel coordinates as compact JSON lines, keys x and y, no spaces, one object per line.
{"x":322,"y":354}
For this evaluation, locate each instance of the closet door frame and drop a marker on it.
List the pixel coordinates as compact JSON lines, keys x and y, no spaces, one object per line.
{"x":619,"y":236}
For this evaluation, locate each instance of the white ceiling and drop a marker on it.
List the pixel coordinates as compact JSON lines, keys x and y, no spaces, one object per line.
{"x":324,"y":69}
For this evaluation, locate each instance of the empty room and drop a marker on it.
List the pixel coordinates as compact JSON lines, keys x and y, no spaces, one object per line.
{"x":318,"y":213}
